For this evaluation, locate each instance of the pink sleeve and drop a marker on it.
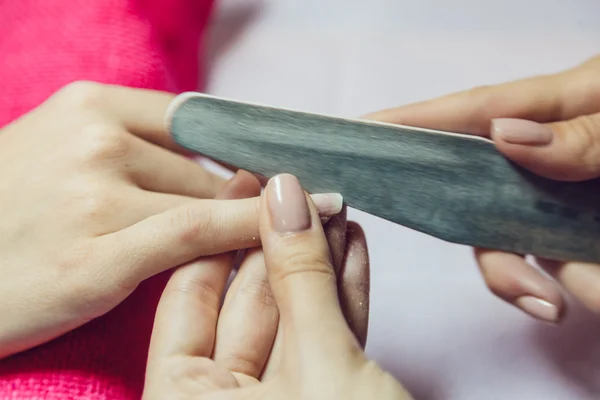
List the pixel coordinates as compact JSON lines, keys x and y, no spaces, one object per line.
{"x":45,"y":44}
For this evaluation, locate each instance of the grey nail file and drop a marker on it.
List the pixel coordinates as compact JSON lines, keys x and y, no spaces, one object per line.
{"x":455,"y":187}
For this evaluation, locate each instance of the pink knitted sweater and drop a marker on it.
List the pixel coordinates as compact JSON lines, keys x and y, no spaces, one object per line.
{"x":45,"y":44}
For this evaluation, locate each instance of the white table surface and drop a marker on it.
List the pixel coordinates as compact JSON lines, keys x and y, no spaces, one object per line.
{"x":433,"y":323}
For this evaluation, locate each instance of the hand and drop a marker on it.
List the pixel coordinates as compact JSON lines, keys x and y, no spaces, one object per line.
{"x":550,"y":125}
{"x":92,"y":205}
{"x":196,"y":353}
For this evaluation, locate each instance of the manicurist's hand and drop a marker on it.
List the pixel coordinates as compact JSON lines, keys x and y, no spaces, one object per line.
{"x":92,"y":202}
{"x":550,"y":125}
{"x":293,"y":321}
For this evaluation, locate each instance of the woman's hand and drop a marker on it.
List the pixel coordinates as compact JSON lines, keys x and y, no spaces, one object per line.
{"x":550,"y":125}
{"x":292,"y":330}
{"x":92,"y":204}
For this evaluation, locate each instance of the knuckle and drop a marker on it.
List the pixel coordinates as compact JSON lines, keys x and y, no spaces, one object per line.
{"x":86,"y":290}
{"x":488,"y":100}
{"x":480,"y":90}
{"x":75,"y":257}
{"x":95,"y":201}
{"x":388,"y":386}
{"x":199,"y":289}
{"x":259,"y":290}
{"x":244,"y":362}
{"x":81,"y":95}
{"x":101,"y":142}
{"x":193,"y":223}
{"x":191,"y":375}
{"x":586,"y":131}
{"x":91,"y":297}
{"x":302,"y":262}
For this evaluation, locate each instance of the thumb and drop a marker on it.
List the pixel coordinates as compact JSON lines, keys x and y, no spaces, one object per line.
{"x":568,"y":150}
{"x":301,"y":273}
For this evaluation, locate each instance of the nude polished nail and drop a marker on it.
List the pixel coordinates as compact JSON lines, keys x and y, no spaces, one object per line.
{"x":538,"y":308}
{"x":520,"y":131}
{"x":287,"y":204}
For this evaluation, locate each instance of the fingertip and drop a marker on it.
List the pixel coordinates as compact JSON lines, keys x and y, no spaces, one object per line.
{"x":564,"y":151}
{"x":242,"y":185}
{"x":525,"y":142}
{"x":512,"y":279}
{"x":288,"y":209}
{"x":521,"y":132}
{"x":285,"y":213}
{"x":579,"y":278}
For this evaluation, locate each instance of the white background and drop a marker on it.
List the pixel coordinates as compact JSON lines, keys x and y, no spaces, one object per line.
{"x":433,"y":323}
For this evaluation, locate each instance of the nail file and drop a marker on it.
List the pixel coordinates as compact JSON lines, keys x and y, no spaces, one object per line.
{"x":455,"y":187}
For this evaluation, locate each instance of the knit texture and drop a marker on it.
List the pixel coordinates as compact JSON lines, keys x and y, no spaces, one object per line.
{"x":45,"y":44}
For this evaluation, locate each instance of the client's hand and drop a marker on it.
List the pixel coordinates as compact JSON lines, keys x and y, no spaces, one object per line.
{"x":287,"y":331}
{"x":92,"y":204}
{"x":550,"y":125}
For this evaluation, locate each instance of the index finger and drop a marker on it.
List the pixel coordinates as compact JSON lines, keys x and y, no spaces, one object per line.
{"x":543,"y":98}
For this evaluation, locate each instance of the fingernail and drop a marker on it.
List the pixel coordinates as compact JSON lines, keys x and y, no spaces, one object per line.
{"x":225,"y":190}
{"x":328,"y":204}
{"x":520,"y":131}
{"x":287,"y":204}
{"x":538,"y":308}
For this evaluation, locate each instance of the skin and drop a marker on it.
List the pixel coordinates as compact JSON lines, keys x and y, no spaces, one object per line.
{"x":568,"y":103}
{"x":119,"y":194}
{"x":287,"y":337}
{"x":91,"y":182}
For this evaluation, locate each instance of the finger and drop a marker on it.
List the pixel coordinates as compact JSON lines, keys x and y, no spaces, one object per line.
{"x":301,"y":274}
{"x":248,"y":322}
{"x":513,"y":280}
{"x":558,"y":150}
{"x":580,"y":279}
{"x":140,"y":111}
{"x":262,"y":179}
{"x":335,"y":234}
{"x":180,"y":235}
{"x":132,"y":206}
{"x":187,"y":313}
{"x":568,"y":150}
{"x":135,"y":205}
{"x":548,"y":98}
{"x":354,"y":283}
{"x":159,"y":170}
{"x":273,"y":363}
